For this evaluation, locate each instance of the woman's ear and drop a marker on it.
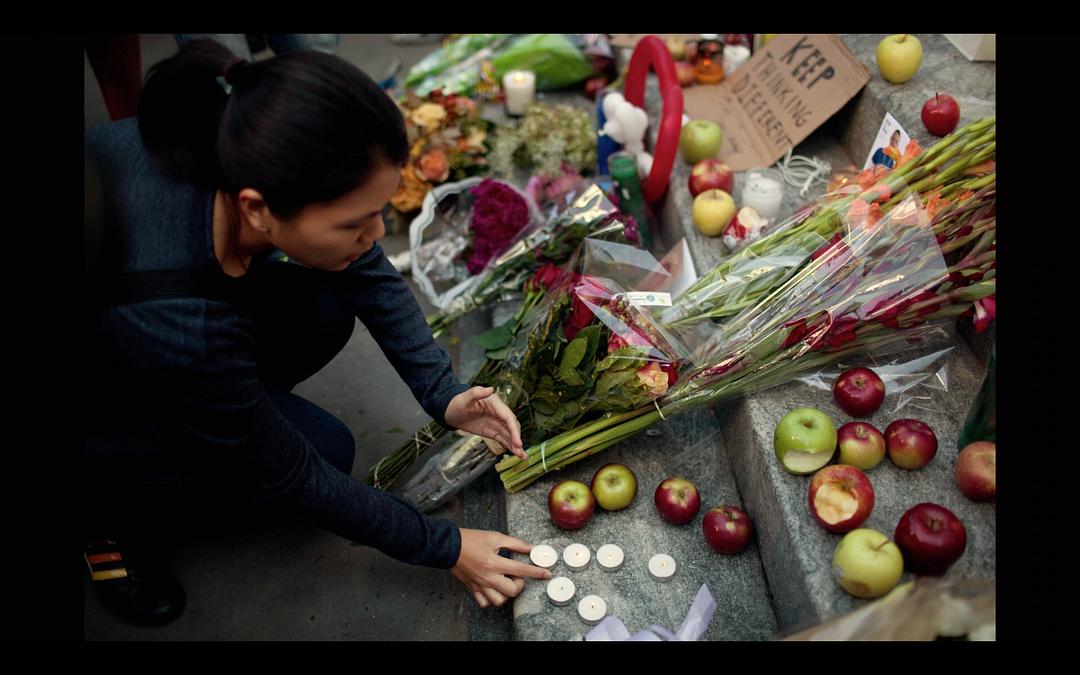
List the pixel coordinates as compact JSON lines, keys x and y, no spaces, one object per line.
{"x":253,"y":209}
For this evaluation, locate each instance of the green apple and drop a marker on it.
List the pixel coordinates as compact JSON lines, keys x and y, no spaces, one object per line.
{"x":700,"y":139}
{"x":712,"y":210}
{"x":805,"y":440}
{"x":867,"y":564}
{"x":899,"y":57}
{"x":614,"y":486}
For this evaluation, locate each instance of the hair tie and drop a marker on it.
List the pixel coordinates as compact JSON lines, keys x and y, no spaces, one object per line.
{"x":228,"y":75}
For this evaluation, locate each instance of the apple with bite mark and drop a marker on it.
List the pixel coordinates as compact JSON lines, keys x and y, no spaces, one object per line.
{"x":941,"y":114}
{"x":614,"y":486}
{"x":861,"y":445}
{"x":866,"y":564}
{"x":727,"y":529}
{"x":571,"y":504}
{"x":841,"y":498}
{"x":805,"y":440}
{"x":931,"y":538}
{"x":911,"y":444}
{"x":677,"y":500}
{"x":711,"y":174}
{"x":859,"y":391}
{"x":976,"y":471}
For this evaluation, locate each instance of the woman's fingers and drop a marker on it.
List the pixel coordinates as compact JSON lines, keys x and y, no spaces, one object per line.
{"x":494,"y":597}
{"x":480,"y":599}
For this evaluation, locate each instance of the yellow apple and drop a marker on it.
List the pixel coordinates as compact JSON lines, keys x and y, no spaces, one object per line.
{"x":899,"y":57}
{"x":867,"y":564}
{"x":712,"y":211}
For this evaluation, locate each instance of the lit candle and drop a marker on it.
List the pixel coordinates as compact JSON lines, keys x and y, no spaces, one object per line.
{"x":544,"y":556}
{"x":576,"y":557}
{"x":560,"y":591}
{"x":661,"y":567}
{"x":592,"y":609}
{"x":764,"y":191}
{"x":519,"y":87}
{"x":610,"y":557}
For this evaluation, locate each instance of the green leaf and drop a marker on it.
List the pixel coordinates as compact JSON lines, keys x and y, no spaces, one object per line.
{"x":592,"y":335}
{"x":574,"y":353}
{"x":497,"y":338}
{"x":497,"y":354}
{"x":612,"y":381}
{"x":571,"y":377}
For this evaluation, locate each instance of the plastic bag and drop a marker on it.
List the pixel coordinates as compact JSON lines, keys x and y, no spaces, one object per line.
{"x":441,"y":233}
{"x":452,"y":54}
{"x":556,"y":61}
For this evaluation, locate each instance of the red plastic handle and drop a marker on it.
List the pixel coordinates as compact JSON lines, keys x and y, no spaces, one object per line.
{"x":652,"y":52}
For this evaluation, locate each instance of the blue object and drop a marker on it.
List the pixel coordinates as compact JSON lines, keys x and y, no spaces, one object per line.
{"x":605,"y":146}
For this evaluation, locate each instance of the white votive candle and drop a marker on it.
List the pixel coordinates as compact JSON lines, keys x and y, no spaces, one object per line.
{"x":519,"y":86}
{"x":592,"y":609}
{"x":764,"y":191}
{"x":661,"y":567}
{"x":609,"y":557}
{"x":560,"y":591}
{"x":544,"y":556}
{"x":577,"y":556}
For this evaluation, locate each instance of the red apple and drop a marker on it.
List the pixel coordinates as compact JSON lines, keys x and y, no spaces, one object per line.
{"x":677,"y":500}
{"x":931,"y":538}
{"x":727,"y":529}
{"x":571,"y":504}
{"x":841,"y":498}
{"x":859,"y":391}
{"x":711,"y":174}
{"x":976,"y":471}
{"x":861,"y":445}
{"x":685,"y":72}
{"x":941,"y":114}
{"x":911,"y":444}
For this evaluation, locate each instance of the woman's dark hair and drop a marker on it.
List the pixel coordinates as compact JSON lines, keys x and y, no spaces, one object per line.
{"x":300,"y":128}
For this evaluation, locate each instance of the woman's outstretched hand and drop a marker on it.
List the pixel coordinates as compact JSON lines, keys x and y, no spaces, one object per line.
{"x":480,"y":411}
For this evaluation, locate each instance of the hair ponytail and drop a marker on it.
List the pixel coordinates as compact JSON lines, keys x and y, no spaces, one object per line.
{"x":180,"y":111}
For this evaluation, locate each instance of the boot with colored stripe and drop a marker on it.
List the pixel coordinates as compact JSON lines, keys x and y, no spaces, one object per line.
{"x":138,"y":589}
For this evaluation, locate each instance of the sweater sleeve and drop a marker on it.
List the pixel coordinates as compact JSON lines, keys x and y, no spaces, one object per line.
{"x":384,"y":303}
{"x":219,"y":413}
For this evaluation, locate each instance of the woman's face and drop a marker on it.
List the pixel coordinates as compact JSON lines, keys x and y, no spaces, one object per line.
{"x":331,"y":235}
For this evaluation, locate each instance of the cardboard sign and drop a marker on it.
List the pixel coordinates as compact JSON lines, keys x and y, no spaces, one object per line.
{"x":785,"y":91}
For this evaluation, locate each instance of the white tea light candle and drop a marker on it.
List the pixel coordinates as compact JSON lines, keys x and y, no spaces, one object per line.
{"x":577,"y":556}
{"x":544,"y":556}
{"x":764,"y":191}
{"x":519,"y":86}
{"x":610,"y":557}
{"x":560,"y":591}
{"x":592,"y":609}
{"x":661,"y":567}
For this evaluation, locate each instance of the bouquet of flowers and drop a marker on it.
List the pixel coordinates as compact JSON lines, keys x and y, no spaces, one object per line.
{"x":883,"y":287}
{"x":949,"y":172}
{"x":447,"y":140}
{"x":591,"y":348}
{"x":546,"y":138}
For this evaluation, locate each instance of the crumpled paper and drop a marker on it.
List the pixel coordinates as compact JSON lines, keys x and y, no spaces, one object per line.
{"x":693,"y":626}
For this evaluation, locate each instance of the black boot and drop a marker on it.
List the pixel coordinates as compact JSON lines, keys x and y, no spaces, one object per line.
{"x":135,"y":583}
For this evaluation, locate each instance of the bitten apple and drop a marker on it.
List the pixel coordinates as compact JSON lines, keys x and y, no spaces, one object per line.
{"x":804,"y":440}
{"x":677,"y":500}
{"x":866,"y":564}
{"x":841,"y":498}
{"x":976,"y":471}
{"x":711,"y":174}
{"x":911,"y":444}
{"x":859,"y":391}
{"x":727,"y":529}
{"x":861,"y":445}
{"x":571,"y":504}
{"x":931,"y":538}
